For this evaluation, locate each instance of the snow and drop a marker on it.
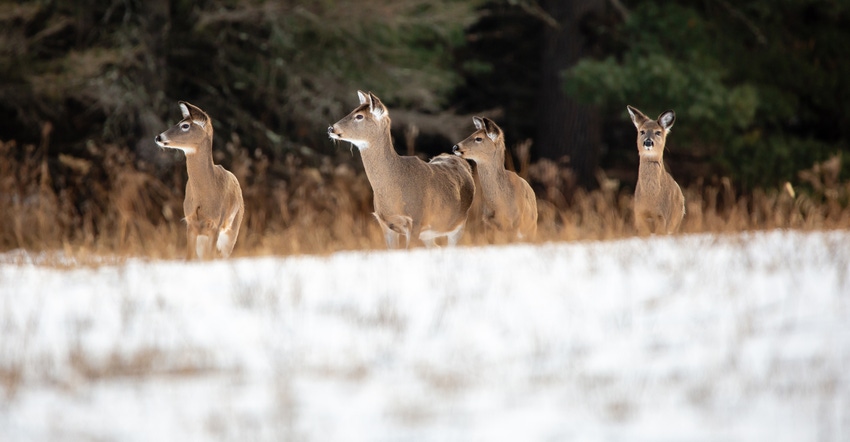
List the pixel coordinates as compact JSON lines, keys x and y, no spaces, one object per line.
{"x":686,"y":338}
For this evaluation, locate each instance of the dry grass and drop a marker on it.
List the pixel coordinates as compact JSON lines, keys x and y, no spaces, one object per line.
{"x":111,"y":204}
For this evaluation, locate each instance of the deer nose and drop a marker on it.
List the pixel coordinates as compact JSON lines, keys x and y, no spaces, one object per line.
{"x":158,"y":138}
{"x":330,"y":129}
{"x":647,"y":143}
{"x":455,"y":148}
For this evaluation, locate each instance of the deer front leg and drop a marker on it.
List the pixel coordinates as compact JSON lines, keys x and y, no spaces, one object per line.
{"x":206,"y":239}
{"x":454,"y":237}
{"x":394,"y":227}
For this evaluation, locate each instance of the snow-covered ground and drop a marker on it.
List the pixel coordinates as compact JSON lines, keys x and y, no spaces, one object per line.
{"x":688,"y":338}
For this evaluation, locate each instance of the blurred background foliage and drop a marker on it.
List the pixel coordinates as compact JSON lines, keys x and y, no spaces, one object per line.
{"x":759,"y":86}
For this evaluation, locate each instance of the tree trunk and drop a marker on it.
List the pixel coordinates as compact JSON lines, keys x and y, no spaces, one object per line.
{"x":155,"y":19}
{"x":565,"y":127}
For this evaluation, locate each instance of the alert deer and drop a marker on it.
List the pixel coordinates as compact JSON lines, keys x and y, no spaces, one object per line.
{"x":413,"y":199}
{"x":659,"y":203}
{"x":213,"y":206}
{"x":509,"y":202}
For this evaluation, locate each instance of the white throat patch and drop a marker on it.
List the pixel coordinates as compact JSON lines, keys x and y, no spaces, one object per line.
{"x":361,"y":144}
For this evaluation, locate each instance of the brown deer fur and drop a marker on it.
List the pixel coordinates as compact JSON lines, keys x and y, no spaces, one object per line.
{"x":659,"y":203}
{"x":213,"y":205}
{"x":412,"y":198}
{"x":509,"y":203}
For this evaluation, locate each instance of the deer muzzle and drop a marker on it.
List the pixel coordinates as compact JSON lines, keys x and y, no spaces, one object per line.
{"x":332,"y":133}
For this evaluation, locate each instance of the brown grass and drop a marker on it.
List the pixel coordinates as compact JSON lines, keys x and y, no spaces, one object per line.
{"x":111,"y":204}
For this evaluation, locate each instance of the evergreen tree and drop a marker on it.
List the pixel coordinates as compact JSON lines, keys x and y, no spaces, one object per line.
{"x":274,"y":72}
{"x":759,"y":86}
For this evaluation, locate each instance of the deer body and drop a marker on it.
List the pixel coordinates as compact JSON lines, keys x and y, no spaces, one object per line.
{"x":509,"y":203}
{"x":213,"y":205}
{"x":659,"y":204}
{"x":412,"y":198}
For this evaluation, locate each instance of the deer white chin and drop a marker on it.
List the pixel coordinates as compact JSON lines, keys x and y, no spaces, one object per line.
{"x":186,"y":149}
{"x":361,"y":144}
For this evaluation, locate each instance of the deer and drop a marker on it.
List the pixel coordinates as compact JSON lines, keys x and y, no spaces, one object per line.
{"x":413,"y":199}
{"x":659,"y":204}
{"x":509,"y":202}
{"x":213,"y":206}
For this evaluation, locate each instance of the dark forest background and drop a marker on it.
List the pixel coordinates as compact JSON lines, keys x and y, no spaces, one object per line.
{"x":760,"y":87}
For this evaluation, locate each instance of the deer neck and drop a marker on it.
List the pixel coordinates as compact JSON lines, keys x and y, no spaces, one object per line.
{"x":199,"y":165}
{"x":380,"y":157}
{"x":650,"y":169}
{"x":494,"y":177}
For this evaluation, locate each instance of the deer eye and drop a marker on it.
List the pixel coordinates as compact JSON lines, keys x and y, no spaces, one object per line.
{"x":478,"y":139}
{"x":185,"y":126}
{"x":643,"y":132}
{"x":358,"y":117}
{"x":658,"y":133}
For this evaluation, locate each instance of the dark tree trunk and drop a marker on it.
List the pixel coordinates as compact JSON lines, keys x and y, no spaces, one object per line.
{"x":155,"y":19}
{"x":565,"y":127}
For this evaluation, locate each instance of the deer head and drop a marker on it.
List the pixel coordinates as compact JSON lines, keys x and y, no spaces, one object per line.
{"x":486,"y":144}
{"x":652,"y":134}
{"x":364,"y":125}
{"x":190,"y":133}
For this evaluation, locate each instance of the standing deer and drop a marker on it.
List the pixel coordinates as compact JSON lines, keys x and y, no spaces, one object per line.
{"x":213,"y":206}
{"x":412,"y":198}
{"x":659,"y":203}
{"x":509,"y":202}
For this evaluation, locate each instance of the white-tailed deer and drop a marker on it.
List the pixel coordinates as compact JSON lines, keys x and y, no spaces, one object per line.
{"x":509,"y":202}
{"x":412,"y":198}
{"x":213,"y":206}
{"x":659,"y":203}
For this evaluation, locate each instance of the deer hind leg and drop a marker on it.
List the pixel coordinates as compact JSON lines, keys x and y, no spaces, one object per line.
{"x":229,"y":232}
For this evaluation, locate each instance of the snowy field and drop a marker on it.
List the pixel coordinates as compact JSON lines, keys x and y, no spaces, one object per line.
{"x":689,"y":338}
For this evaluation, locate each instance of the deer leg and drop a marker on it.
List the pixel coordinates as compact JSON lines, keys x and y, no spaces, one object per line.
{"x":202,"y":245}
{"x":642,"y":224}
{"x":228,"y":233}
{"x":660,"y":225}
{"x":205,"y":239}
{"x":391,"y":238}
{"x":191,"y":241}
{"x":414,"y":233}
{"x":675,"y":222}
{"x":394,"y":227}
{"x":454,"y":236}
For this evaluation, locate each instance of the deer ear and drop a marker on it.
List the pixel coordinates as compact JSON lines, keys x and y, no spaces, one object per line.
{"x":478,"y":122}
{"x":638,"y":117}
{"x":667,"y":119}
{"x":376,"y":107}
{"x":493,"y":130}
{"x":194,"y":112}
{"x":364,"y":98}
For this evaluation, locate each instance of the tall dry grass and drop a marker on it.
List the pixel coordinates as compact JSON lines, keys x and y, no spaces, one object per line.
{"x":110,"y":203}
